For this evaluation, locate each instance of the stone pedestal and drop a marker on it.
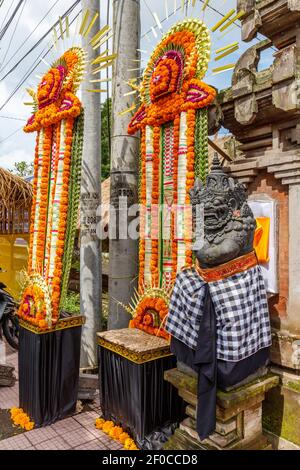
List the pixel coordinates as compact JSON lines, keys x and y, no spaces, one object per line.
{"x":239,"y":415}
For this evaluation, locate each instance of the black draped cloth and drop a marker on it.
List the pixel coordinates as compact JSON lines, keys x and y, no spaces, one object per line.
{"x":137,"y":397}
{"x":49,"y":374}
{"x":213,"y":372}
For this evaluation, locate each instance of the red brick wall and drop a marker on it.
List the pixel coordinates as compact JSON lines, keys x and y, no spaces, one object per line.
{"x":267,"y":184}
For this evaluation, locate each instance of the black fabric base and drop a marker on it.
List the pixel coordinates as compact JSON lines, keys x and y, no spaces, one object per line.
{"x":137,"y":397}
{"x":49,"y":374}
{"x":222,"y":374}
{"x":228,"y":373}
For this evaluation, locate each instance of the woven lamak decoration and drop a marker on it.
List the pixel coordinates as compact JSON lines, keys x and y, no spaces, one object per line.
{"x":58,"y":122}
{"x":173,"y":121}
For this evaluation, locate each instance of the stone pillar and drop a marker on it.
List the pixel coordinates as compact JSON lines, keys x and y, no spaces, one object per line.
{"x":294,"y":260}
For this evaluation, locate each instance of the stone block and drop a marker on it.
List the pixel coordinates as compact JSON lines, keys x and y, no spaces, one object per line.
{"x":239,"y":414}
{"x":7,"y":377}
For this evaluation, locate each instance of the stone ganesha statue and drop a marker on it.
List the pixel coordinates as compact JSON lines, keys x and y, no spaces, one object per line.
{"x":229,"y":224}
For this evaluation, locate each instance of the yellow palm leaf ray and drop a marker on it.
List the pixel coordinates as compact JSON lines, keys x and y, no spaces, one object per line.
{"x":223,"y":20}
{"x":100,"y":80}
{"x":235,"y":18}
{"x":101,"y":59}
{"x":61,"y":28}
{"x":226,"y":53}
{"x":100,"y":55}
{"x":105,"y":39}
{"x":229,"y":46}
{"x":102,"y":67}
{"x":129,"y":93}
{"x":84,"y":21}
{"x":88,"y":30}
{"x":224,"y":68}
{"x":67,"y":27}
{"x":96,"y":91}
{"x":204,"y":5}
{"x":55,"y":38}
{"x":127,"y":110}
{"x":100,"y":33}
{"x":157,"y":21}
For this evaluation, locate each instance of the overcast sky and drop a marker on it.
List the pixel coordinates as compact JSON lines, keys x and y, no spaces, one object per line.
{"x":20,"y":146}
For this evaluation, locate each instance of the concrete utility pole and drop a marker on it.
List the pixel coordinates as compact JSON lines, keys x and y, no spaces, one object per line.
{"x":123,"y":253}
{"x":90,"y":249}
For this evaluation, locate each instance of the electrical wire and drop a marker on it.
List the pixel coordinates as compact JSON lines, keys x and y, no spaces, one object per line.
{"x":6,"y":14}
{"x":14,"y":32}
{"x":32,"y":68}
{"x":29,"y":36}
{"x":11,"y":135}
{"x":7,"y":25}
{"x":213,"y":9}
{"x":40,"y":40}
{"x":13,"y":118}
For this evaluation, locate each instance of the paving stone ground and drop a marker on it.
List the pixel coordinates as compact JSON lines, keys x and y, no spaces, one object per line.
{"x":74,"y":433}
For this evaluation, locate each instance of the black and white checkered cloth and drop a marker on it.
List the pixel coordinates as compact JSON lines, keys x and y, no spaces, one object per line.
{"x":241,"y":306}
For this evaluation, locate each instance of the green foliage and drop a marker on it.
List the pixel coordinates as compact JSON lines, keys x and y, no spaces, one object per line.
{"x":72,"y":303}
{"x":23,"y":169}
{"x":201,"y":145}
{"x":74,"y":197}
{"x":105,"y":138}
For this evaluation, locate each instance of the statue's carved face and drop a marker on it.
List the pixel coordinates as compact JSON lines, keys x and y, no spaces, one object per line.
{"x":229,"y":224}
{"x":217,"y":211}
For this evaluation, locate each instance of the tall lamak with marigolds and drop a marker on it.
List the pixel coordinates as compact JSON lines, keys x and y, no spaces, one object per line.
{"x":50,"y":337}
{"x":58,"y":122}
{"x":173,"y":122}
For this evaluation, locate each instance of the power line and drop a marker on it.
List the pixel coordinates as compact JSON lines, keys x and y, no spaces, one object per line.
{"x":6,"y":14}
{"x":40,"y":40}
{"x":208,"y":6}
{"x":14,"y":31}
{"x":12,"y":117}
{"x":11,"y":135}
{"x":28,"y":37}
{"x":7,"y":25}
{"x":33,"y":67}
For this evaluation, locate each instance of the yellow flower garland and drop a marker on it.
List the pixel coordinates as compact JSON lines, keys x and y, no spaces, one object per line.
{"x":20,"y":418}
{"x":116,"y":432}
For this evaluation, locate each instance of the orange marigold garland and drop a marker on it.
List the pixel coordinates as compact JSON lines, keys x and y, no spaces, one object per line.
{"x":172,"y":91}
{"x":174,"y":215}
{"x":20,"y":418}
{"x":57,"y":275}
{"x":43,"y":207}
{"x":190,"y":180}
{"x":155,"y":206}
{"x":34,"y":196}
{"x":117,"y":433}
{"x":57,"y":107}
{"x":142,"y":209}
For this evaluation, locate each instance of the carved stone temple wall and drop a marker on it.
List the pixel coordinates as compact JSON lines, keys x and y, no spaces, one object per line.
{"x":262,"y":111}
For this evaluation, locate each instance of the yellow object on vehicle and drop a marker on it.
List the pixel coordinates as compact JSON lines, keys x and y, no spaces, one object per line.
{"x":261,"y":239}
{"x":13,"y":259}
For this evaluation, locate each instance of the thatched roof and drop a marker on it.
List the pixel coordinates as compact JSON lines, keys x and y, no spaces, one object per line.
{"x":15,"y":192}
